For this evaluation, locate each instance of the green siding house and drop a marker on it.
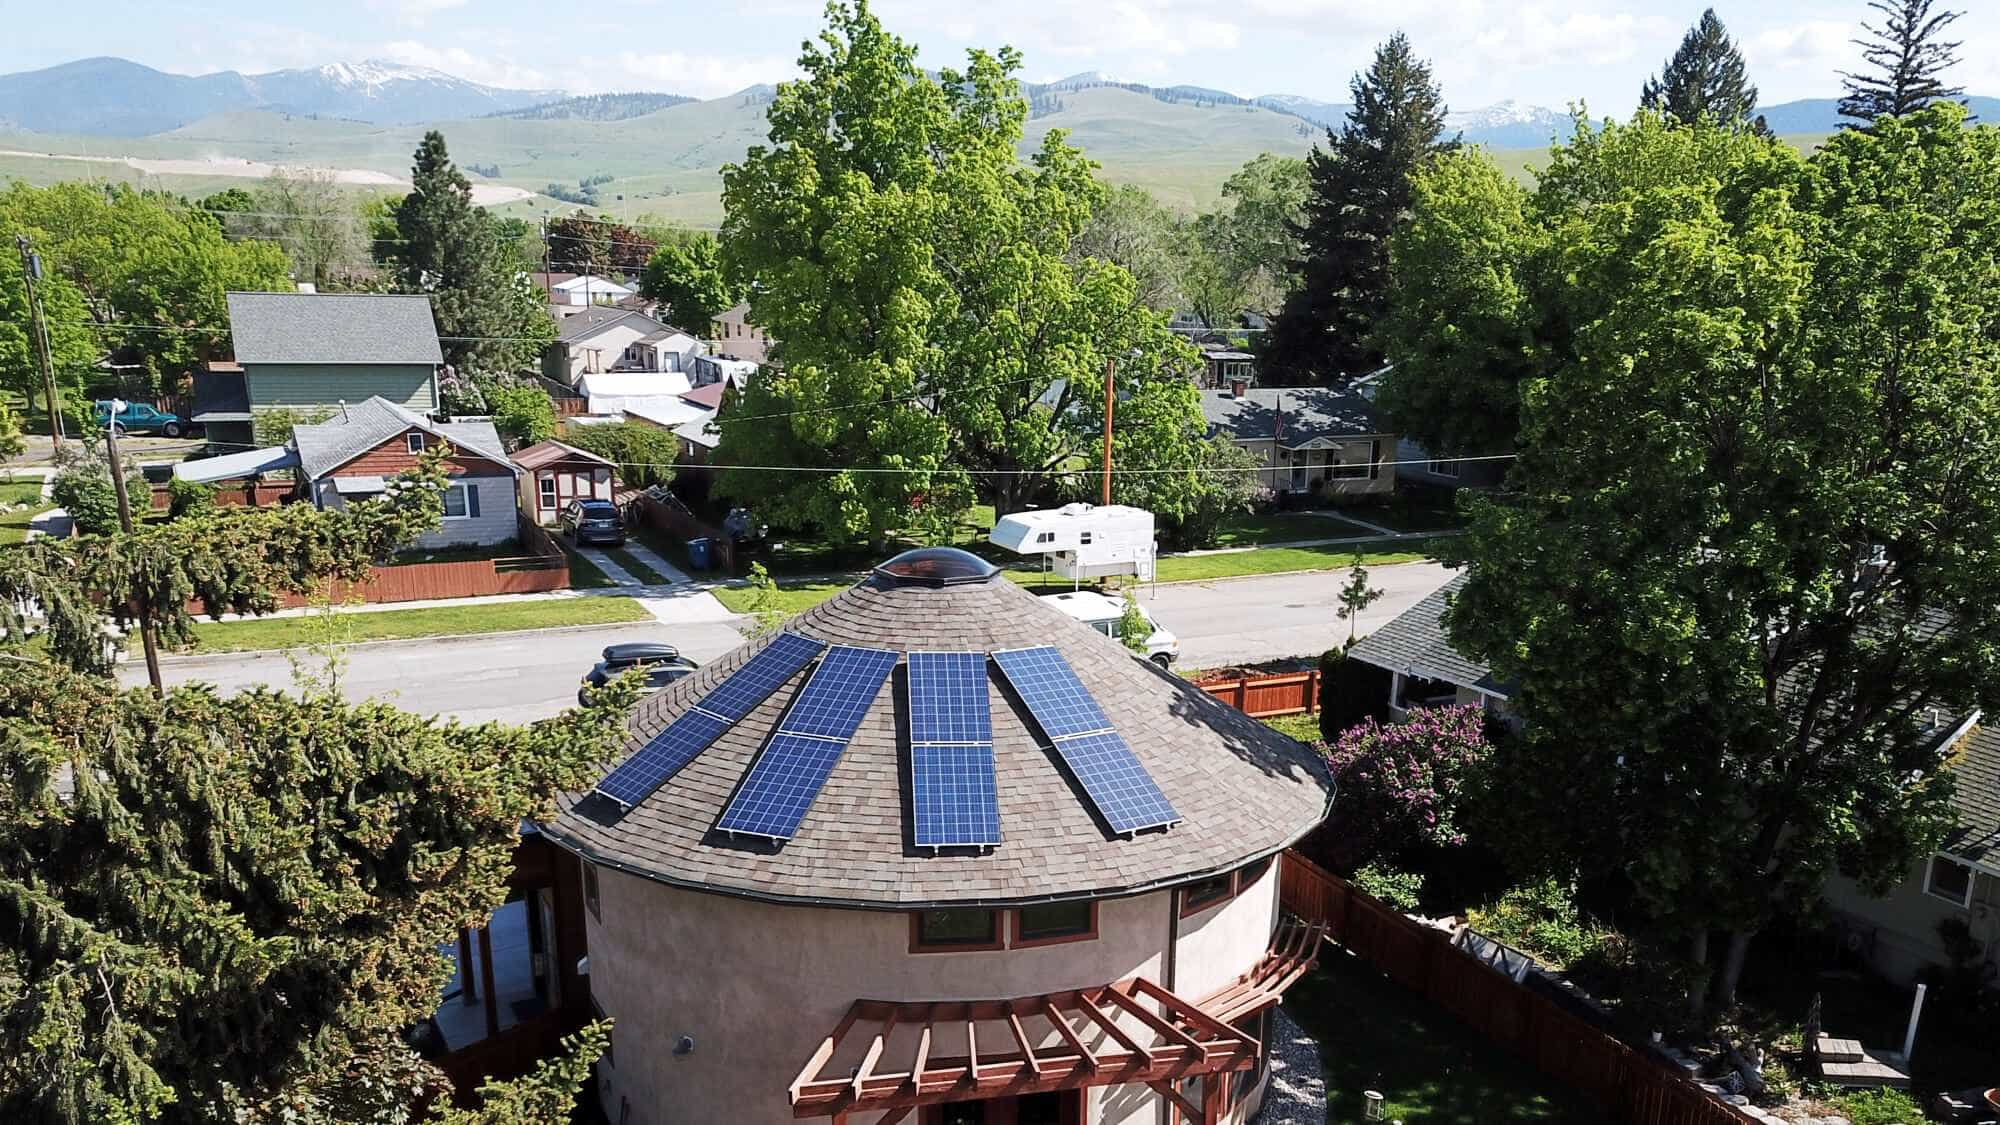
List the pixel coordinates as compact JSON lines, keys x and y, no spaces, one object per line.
{"x":312,"y":352}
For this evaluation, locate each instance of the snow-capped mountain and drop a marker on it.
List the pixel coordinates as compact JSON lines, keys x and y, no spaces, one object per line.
{"x":1509,"y":124}
{"x":387,"y":92}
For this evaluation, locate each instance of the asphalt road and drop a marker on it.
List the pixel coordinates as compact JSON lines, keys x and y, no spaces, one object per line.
{"x":517,"y":677}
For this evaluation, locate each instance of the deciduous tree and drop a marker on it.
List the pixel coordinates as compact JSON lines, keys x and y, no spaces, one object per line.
{"x":312,"y":217}
{"x":1907,"y":56}
{"x":685,"y":278}
{"x":644,"y":453}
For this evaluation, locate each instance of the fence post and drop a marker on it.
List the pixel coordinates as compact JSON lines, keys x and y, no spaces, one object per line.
{"x":1312,"y":691}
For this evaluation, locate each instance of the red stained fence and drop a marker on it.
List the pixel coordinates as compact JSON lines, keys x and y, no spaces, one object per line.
{"x":1631,"y":1085}
{"x":1260,"y":697}
{"x":543,"y":568}
{"x":236,"y":494}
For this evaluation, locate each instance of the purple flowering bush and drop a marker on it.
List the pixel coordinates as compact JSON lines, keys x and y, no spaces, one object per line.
{"x":1400,"y":783}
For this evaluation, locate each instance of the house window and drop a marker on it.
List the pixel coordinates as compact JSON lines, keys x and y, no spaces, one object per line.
{"x":1949,"y":880}
{"x":1443,"y":469}
{"x":1201,"y":895}
{"x":933,"y":931}
{"x":1055,"y":922}
{"x":458,"y":503}
{"x":590,"y":889}
{"x":414,"y":441}
{"x":546,"y":485}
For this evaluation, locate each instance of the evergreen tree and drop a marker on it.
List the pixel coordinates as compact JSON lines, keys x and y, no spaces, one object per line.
{"x":1360,"y":194}
{"x":1705,"y":78}
{"x":489,"y":318}
{"x":1908,"y":59}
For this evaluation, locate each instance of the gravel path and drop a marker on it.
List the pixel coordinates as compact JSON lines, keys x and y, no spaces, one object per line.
{"x":1297,"y":1092}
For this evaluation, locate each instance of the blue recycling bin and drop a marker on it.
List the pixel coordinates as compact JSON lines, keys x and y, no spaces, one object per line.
{"x":698,"y":553}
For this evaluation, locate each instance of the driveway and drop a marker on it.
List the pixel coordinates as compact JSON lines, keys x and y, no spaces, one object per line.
{"x":1243,"y":620}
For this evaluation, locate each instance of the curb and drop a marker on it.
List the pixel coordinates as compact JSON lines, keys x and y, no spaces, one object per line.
{"x":196,"y":659}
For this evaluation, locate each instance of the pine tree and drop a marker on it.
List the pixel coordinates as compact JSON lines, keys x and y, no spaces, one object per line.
{"x":1908,"y":59}
{"x":1360,"y":194}
{"x":488,"y":317}
{"x":1705,"y":78}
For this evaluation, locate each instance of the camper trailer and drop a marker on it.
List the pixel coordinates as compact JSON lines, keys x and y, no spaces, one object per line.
{"x":1082,"y":541}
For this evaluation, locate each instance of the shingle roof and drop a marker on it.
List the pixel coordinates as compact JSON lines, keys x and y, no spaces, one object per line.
{"x":1307,"y":413}
{"x":333,"y":328}
{"x":708,"y":396}
{"x":1414,"y":642}
{"x":550,"y":451}
{"x":1243,"y":789}
{"x":595,"y":319}
{"x":1977,"y":799}
{"x":325,"y":446}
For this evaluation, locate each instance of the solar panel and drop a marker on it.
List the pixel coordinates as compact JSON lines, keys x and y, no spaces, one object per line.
{"x":953,"y":795}
{"x":1112,"y":778}
{"x":787,"y":777}
{"x":948,"y":698}
{"x":1057,"y":699}
{"x":686,"y":737}
{"x":1116,"y":783}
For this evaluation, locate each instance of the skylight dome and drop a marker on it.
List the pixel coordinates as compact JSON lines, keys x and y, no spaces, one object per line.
{"x":936,"y":567}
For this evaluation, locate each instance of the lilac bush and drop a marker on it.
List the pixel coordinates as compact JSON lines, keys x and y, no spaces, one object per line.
{"x":1399,"y":783}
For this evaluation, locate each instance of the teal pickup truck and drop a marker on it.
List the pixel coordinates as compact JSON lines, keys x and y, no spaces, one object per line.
{"x":139,"y":418}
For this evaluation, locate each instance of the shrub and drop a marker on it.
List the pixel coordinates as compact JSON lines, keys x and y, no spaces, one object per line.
{"x":1133,"y":628}
{"x":83,"y":488}
{"x":186,"y":497}
{"x":1398,"y":888}
{"x":1541,"y":918}
{"x":521,"y":412}
{"x":1879,"y":1107}
{"x":1400,"y":783}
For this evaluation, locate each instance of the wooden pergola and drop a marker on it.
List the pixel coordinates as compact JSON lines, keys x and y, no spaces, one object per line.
{"x":1133,"y":1032}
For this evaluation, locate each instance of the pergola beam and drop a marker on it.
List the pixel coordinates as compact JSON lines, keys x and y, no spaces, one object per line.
{"x":1027,"y":1048}
{"x":1075,"y":1041}
{"x":1112,"y":1029}
{"x":1166,"y":1090}
{"x":1165,"y":1027}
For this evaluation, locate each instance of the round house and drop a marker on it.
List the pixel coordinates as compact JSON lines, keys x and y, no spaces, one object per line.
{"x":935,"y":853}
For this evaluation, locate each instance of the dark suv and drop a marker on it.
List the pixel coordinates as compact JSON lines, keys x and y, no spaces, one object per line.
{"x":593,"y":521}
{"x":663,"y":664}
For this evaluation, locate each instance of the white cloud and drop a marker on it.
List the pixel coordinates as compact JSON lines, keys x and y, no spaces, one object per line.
{"x":677,"y":72}
{"x":413,"y":12}
{"x":1821,"y":46}
{"x":490,"y":70}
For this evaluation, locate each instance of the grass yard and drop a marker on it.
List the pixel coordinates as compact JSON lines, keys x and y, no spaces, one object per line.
{"x":1408,"y":511}
{"x":1277,"y":560}
{"x":1281,"y":527}
{"x":1305,"y":728}
{"x":464,"y":552}
{"x":1432,"y":1070}
{"x":14,"y":524}
{"x":399,"y":624}
{"x":791,"y":597}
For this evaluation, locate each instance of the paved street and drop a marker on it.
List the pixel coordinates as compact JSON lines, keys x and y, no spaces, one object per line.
{"x":1240,"y":620}
{"x":521,"y":676}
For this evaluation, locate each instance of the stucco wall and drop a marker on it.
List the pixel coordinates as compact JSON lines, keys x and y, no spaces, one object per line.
{"x":1904,"y":921}
{"x":757,"y":986}
{"x":300,"y":385}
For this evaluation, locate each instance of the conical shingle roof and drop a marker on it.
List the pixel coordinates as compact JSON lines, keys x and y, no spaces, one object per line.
{"x":1242,"y":789}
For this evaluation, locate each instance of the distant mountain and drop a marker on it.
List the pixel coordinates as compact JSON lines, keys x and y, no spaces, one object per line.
{"x":1509,"y":124}
{"x":1822,"y":115}
{"x":595,"y":107}
{"x":1327,"y":114}
{"x":119,"y":98}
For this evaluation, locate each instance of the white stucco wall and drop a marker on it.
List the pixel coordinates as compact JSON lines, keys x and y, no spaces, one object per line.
{"x":758,"y":985}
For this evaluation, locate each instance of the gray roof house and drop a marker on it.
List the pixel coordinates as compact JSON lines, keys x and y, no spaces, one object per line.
{"x":1309,"y":439}
{"x":1424,"y":668}
{"x":313,"y":351}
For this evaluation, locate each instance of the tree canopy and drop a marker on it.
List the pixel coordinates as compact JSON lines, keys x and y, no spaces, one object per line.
{"x":1706,"y":78}
{"x":1743,"y":578}
{"x":1907,"y":58}
{"x":1360,"y":195}
{"x":934,"y":334}
{"x":685,"y":278}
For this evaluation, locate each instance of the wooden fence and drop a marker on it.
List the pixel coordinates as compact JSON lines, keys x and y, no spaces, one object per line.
{"x":542,"y":568}
{"x":236,"y":494}
{"x":1260,"y":697}
{"x":671,"y":517}
{"x":1630,"y":1084}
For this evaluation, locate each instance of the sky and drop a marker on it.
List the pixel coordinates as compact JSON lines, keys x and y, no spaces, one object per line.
{"x":1541,"y":52}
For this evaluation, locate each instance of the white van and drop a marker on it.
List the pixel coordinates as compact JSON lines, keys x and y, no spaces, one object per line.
{"x":1102,"y":613}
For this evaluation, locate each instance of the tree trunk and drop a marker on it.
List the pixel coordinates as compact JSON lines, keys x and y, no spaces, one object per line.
{"x":1732,"y":966}
{"x":1698,"y":991}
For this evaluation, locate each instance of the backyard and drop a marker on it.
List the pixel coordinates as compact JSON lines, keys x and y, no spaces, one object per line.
{"x":14,"y":523}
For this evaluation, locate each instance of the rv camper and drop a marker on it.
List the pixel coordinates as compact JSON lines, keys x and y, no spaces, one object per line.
{"x":1082,"y":541}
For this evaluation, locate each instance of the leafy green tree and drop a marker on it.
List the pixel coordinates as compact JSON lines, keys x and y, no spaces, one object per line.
{"x":1908,"y":59}
{"x":1130,"y":229}
{"x":72,"y":342}
{"x":12,"y":443}
{"x":1133,"y":628}
{"x":312,"y":217}
{"x":275,"y":426}
{"x":1355,"y":597}
{"x":1705,"y":79}
{"x":644,"y":453}
{"x":1744,"y":567}
{"x":83,"y":486}
{"x":521,"y":412}
{"x":1235,"y":256}
{"x":229,"y":201}
{"x":1218,"y":482}
{"x":685,"y":278}
{"x":489,"y":318}
{"x":1360,"y":194}
{"x":918,"y":280}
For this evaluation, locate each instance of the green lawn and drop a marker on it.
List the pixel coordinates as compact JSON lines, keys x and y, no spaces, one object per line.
{"x":1305,"y":728}
{"x":1281,"y":527}
{"x":397,"y":624}
{"x":635,"y":566}
{"x":1432,"y":1070}
{"x":465,"y":552}
{"x":1425,"y":510}
{"x":14,"y":525}
{"x":1276,"y":560}
{"x":792,"y":597}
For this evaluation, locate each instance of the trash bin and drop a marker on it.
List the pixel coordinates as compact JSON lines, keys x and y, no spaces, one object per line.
{"x":698,"y":553}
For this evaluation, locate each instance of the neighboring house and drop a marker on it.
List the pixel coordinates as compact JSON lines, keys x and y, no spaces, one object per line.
{"x":609,"y":393}
{"x":732,"y":336}
{"x":1424,"y":670}
{"x":222,"y":406}
{"x":1898,"y":932}
{"x":1309,"y":439}
{"x":1420,"y":466}
{"x":602,"y":340}
{"x":575,"y":291}
{"x":553,"y":474}
{"x":311,"y":352}
{"x":1224,"y":366}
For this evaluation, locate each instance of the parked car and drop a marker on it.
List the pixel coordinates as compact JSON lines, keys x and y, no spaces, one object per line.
{"x":663,"y":664}
{"x":139,"y":418}
{"x":1103,"y":613}
{"x":593,"y":521}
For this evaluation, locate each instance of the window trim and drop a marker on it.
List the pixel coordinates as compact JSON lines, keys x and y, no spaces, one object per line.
{"x":1238,"y":879}
{"x":460,"y":487}
{"x":1017,"y":941}
{"x":589,"y":889}
{"x":996,"y":942}
{"x":546,"y":493}
{"x":1971,"y":879}
{"x":413,"y":441}
{"x":1449,"y":467}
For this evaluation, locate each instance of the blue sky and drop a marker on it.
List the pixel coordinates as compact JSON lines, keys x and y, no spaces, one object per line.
{"x":1546,"y":52}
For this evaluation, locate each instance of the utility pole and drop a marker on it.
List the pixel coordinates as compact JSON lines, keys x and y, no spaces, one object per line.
{"x":125,"y":521}
{"x":31,"y":272}
{"x":1110,"y":404}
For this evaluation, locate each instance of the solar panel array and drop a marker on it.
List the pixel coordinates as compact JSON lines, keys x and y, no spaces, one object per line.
{"x":952,"y":791}
{"x":1124,"y":794}
{"x":788,"y":775}
{"x":687,"y":736}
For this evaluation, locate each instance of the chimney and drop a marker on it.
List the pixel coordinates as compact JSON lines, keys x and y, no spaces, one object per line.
{"x":1238,"y":387}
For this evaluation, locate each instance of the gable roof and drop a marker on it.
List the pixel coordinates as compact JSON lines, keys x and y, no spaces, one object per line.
{"x":326,"y":446}
{"x":599,"y":318}
{"x":1976,"y":798}
{"x":708,"y":396}
{"x":551,"y":451}
{"x":1308,"y":413}
{"x":1414,"y":643}
{"x":333,"y":328}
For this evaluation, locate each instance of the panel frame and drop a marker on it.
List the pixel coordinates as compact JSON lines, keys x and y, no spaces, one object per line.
{"x":758,"y":781}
